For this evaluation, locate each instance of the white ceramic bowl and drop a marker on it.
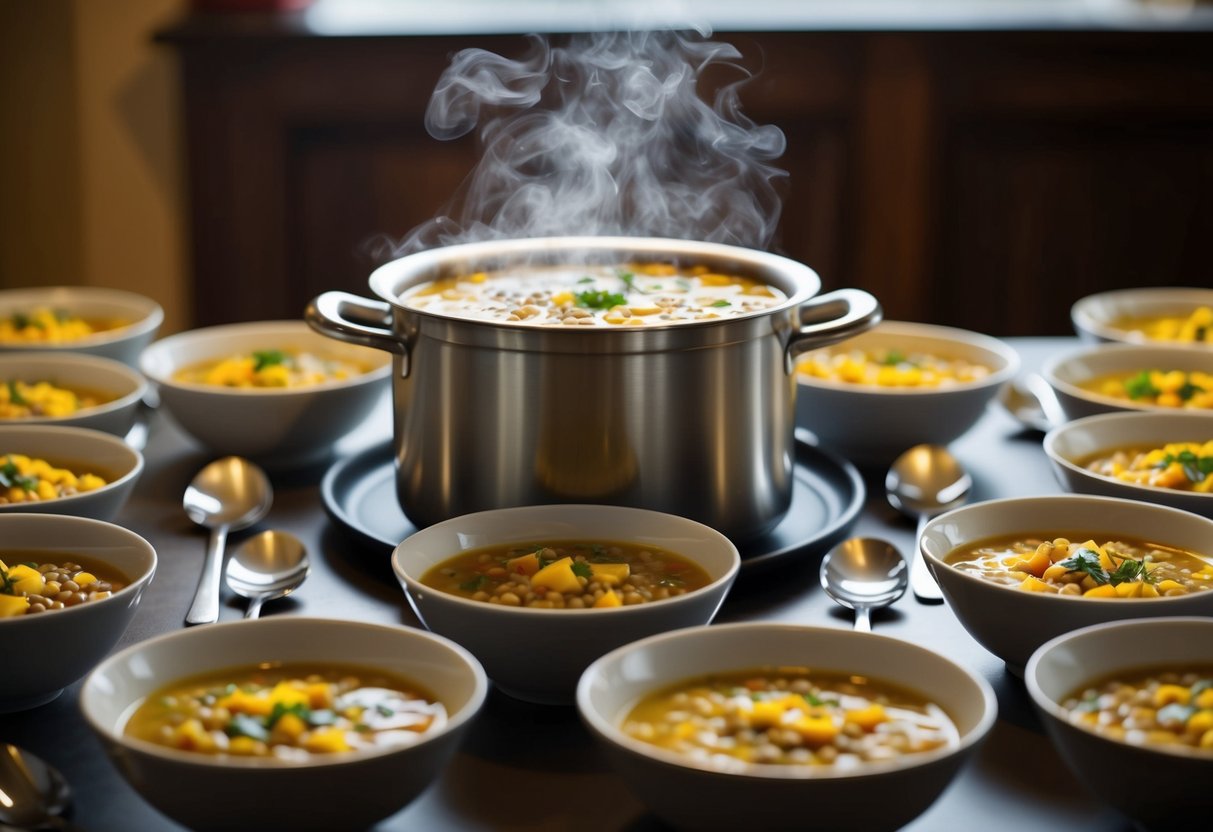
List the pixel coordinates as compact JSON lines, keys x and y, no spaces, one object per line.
{"x":121,"y":344}
{"x":1075,"y":443}
{"x":1094,"y":317}
{"x":123,"y":386}
{"x":50,"y":650}
{"x":325,"y":792}
{"x":1157,"y":789}
{"x":870,"y":798}
{"x":269,"y":425}
{"x":1065,"y":373}
{"x":538,"y":654}
{"x":80,"y":450}
{"x":1010,"y":622}
{"x":872,"y":425}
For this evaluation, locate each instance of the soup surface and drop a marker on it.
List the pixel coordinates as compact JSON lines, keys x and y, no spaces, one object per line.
{"x":1183,"y":466}
{"x":1164,"y":388}
{"x":51,"y":326}
{"x":1121,"y":568}
{"x":1170,"y":708}
{"x":789,"y":716}
{"x":31,"y":584}
{"x":26,"y":400}
{"x":288,"y":711}
{"x":1196,"y":326}
{"x":25,"y":479}
{"x":890,"y":368}
{"x":640,"y":294}
{"x":270,"y":369}
{"x":572,"y":574}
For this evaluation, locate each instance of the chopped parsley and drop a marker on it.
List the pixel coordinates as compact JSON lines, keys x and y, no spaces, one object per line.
{"x":629,"y":282}
{"x":722,"y":302}
{"x":1129,"y":570}
{"x":1084,"y":560}
{"x":14,"y":395}
{"x":6,"y":584}
{"x":582,"y":569}
{"x":1188,"y":390}
{"x":20,"y":320}
{"x":1141,"y":387}
{"x":894,"y":358}
{"x":817,"y":701}
{"x":243,"y":725}
{"x":10,"y":477}
{"x":600,"y":299}
{"x":280,"y":710}
{"x":1195,"y":468}
{"x":267,"y":358}
{"x":475,"y":584}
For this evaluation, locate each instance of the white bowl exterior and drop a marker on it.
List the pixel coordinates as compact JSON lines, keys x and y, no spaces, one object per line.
{"x":1093,"y":315}
{"x":123,"y":344}
{"x":83,"y":634}
{"x":81,"y":447}
{"x":251,"y":793}
{"x":265,"y":424}
{"x":1163,"y":794}
{"x":1066,"y":372}
{"x":784,"y":797}
{"x":81,"y":372}
{"x":1067,"y":445}
{"x":873,"y":425}
{"x":539,"y":654}
{"x":1010,"y":622}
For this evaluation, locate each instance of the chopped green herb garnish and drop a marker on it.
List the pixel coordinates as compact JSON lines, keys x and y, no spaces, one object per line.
{"x":582,"y":569}
{"x":1200,"y":687}
{"x":1129,"y":570}
{"x":817,"y":701}
{"x":1084,"y":560}
{"x":14,"y":395}
{"x":20,"y":320}
{"x":722,"y":302}
{"x":893,"y":358}
{"x":586,"y":279}
{"x":629,"y":282}
{"x":10,"y":476}
{"x":1188,"y":390}
{"x":384,"y":710}
{"x":280,"y":710}
{"x":6,"y":584}
{"x":600,"y":299}
{"x":1195,"y":468}
{"x":243,"y":725}
{"x":475,"y":584}
{"x":1140,"y":386}
{"x":267,"y":358}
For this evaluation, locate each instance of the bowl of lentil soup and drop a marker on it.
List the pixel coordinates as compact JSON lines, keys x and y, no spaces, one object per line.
{"x":69,"y":390}
{"x":898,"y":385}
{"x":1129,"y":706}
{"x":67,"y":581}
{"x":1164,"y":458}
{"x":273,"y":391}
{"x":1173,"y":315}
{"x":109,"y":323}
{"x":260,"y":715}
{"x":786,"y":726}
{"x":575,"y":580}
{"x":1017,"y":572}
{"x":46,"y":469}
{"x":1112,"y":378}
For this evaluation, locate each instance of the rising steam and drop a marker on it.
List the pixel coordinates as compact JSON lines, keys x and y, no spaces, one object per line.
{"x":605,"y":135}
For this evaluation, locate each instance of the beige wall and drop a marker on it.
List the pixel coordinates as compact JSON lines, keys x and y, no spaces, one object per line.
{"x":90,"y":137}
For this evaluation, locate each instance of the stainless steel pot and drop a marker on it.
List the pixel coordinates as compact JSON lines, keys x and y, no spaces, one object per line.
{"x":695,"y":419}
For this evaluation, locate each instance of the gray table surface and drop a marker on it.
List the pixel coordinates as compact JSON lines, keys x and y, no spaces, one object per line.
{"x":1015,"y":782}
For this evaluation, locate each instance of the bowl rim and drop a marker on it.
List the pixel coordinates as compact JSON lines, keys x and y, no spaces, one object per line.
{"x":1054,"y":499}
{"x":611,"y":733}
{"x":136,"y":583}
{"x":978,"y":340}
{"x":1053,"y":709}
{"x":454,"y":721}
{"x":151,"y":316}
{"x":1082,"y":317}
{"x":297,"y":327}
{"x":1149,"y":493}
{"x":99,"y":437}
{"x":414,"y":585}
{"x":84,"y":360}
{"x":1162,"y":349}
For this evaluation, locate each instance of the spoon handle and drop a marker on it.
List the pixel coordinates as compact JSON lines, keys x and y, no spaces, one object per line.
{"x":863,"y":620}
{"x":205,"y":608}
{"x":926,"y":590}
{"x":254,"y":606}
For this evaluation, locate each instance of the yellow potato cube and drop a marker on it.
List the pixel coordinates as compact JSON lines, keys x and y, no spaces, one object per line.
{"x":608,"y":599}
{"x":288,"y":695}
{"x":13,"y":605}
{"x":85,"y":578}
{"x":289,"y":728}
{"x":867,"y":718}
{"x":326,"y":740}
{"x":1168,"y":694}
{"x":524,"y":565}
{"x":557,"y":576}
{"x":816,"y":730}
{"x":1101,"y":591}
{"x":25,"y":580}
{"x":1033,"y":584}
{"x":610,"y":574}
{"x":243,"y":702}
{"x":766,"y":713}
{"x":245,"y":747}
{"x":89,"y":482}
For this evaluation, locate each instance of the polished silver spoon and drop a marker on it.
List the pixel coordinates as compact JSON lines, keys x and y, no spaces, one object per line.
{"x":35,"y":794}
{"x":267,"y":566}
{"x":1031,"y":401}
{"x":228,"y":494}
{"x":864,"y":574}
{"x":923,"y":482}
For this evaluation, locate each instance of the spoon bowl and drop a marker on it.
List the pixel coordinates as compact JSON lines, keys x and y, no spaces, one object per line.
{"x":36,"y":794}
{"x":864,"y":574}
{"x":924,"y":482}
{"x":267,"y":566}
{"x":228,"y":494}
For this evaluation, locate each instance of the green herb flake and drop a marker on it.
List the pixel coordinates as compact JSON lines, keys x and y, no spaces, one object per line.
{"x":894,"y":358}
{"x":1195,"y":468}
{"x":817,"y":702}
{"x":582,"y":569}
{"x":721,"y":303}
{"x":6,"y":584}
{"x":384,"y":710}
{"x":1140,"y":386}
{"x":599,"y":299}
{"x":475,"y":584}
{"x":20,"y":320}
{"x":280,"y":710}
{"x":14,"y":395}
{"x":629,"y":282}
{"x":1188,"y":390}
{"x":268,"y":358}
{"x":1084,"y":560}
{"x":586,"y":279}
{"x":1129,"y":570}
{"x":243,"y":725}
{"x":10,"y":477}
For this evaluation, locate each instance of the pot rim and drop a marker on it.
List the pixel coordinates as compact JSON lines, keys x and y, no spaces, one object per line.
{"x":795,"y":279}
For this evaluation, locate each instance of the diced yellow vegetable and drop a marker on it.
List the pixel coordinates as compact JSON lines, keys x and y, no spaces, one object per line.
{"x":85,"y":578}
{"x":867,"y":718}
{"x":766,"y":713}
{"x":289,"y":728}
{"x":13,"y":605}
{"x":557,"y":576}
{"x":1168,"y":694}
{"x":1129,"y":589}
{"x":244,"y":746}
{"x":1101,"y":591}
{"x":610,"y":574}
{"x":524,"y":565}
{"x":1033,"y":584}
{"x":242,"y":702}
{"x":192,"y":736}
{"x":816,"y":730}
{"x":288,"y":695}
{"x":326,"y":740}
{"x":608,"y":599}
{"x":26,"y":581}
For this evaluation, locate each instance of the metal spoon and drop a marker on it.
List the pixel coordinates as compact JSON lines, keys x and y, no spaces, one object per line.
{"x":228,"y":494}
{"x":923,"y":482}
{"x":267,"y":566}
{"x":1031,"y":401}
{"x":863,"y":574}
{"x":33,"y":794}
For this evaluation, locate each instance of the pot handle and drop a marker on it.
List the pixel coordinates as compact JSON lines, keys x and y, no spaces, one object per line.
{"x":356,"y":320}
{"x":834,"y":317}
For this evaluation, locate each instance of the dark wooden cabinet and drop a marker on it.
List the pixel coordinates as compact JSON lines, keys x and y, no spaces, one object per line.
{"x":982,"y":179}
